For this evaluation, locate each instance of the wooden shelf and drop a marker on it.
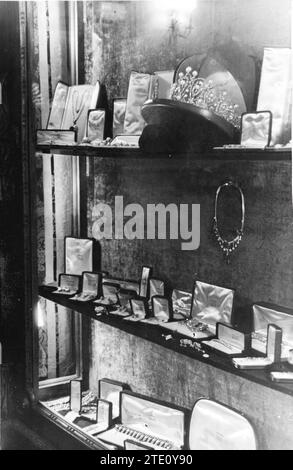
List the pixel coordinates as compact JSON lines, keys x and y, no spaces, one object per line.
{"x":133,"y":152}
{"x":156,"y":334}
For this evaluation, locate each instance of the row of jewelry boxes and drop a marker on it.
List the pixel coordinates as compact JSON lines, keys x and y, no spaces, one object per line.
{"x":120,"y":418}
{"x":205,"y":315}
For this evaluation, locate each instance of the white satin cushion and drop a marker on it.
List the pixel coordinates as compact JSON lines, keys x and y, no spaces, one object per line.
{"x":212,"y":304}
{"x":214,"y":426}
{"x":156,"y":418}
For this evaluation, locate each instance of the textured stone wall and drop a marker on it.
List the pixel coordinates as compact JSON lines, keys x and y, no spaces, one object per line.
{"x":262,"y":266}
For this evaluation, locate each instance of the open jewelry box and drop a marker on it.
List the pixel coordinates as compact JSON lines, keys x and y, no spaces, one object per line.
{"x":265,"y":314}
{"x":154,"y":423}
{"x":68,"y":284}
{"x":229,"y":341}
{"x":210,"y":305}
{"x":91,"y":286}
{"x":181,"y":304}
{"x":161,"y":310}
{"x":214,"y":426}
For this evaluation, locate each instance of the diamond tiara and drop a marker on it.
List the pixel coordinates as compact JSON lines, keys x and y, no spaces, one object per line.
{"x":189,"y":88}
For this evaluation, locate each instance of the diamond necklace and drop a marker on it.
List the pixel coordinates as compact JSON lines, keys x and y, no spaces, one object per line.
{"x":228,"y":246}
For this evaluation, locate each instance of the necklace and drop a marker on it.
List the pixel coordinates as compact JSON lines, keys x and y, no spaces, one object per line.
{"x":228,"y":246}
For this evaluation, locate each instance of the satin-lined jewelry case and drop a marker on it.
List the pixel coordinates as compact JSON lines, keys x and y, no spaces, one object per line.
{"x":56,"y":137}
{"x":139,"y":310}
{"x":91,"y":286}
{"x":95,"y":128}
{"x":161,"y":310}
{"x":214,"y":426}
{"x":275,"y":91}
{"x":119,"y":107}
{"x":123,"y":284}
{"x":79,"y":253}
{"x":125,"y":140}
{"x":181,"y":302}
{"x":68,"y":284}
{"x":110,"y":390}
{"x":80,"y":99}
{"x":263,"y":316}
{"x":157,"y":287}
{"x":140,"y":89}
{"x":157,"y":424}
{"x":210,"y":305}
{"x":109,"y":295}
{"x":256,"y":129}
{"x":229,"y":340}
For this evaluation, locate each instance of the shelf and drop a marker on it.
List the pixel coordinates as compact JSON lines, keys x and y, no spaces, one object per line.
{"x":134,"y":152}
{"x":154,"y":334}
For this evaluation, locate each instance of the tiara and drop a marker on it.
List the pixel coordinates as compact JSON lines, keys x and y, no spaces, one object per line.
{"x":189,"y":88}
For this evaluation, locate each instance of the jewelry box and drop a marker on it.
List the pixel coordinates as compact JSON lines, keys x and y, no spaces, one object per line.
{"x":56,"y":137}
{"x":110,"y":390}
{"x":123,"y":284}
{"x":125,"y":140}
{"x":215,"y":426}
{"x":79,"y":255}
{"x":95,"y":126}
{"x":273,"y":352}
{"x":68,"y":284}
{"x":146,"y":421}
{"x":109,"y":295}
{"x":71,"y":104}
{"x":229,"y":340}
{"x":181,"y":304}
{"x":91,"y":287}
{"x":210,"y":304}
{"x":161,"y":310}
{"x":139,"y":310}
{"x":256,"y":129}
{"x":265,"y":314}
{"x":157,"y":287}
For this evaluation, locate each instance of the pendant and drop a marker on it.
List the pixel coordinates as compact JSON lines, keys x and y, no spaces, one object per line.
{"x":74,"y":128}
